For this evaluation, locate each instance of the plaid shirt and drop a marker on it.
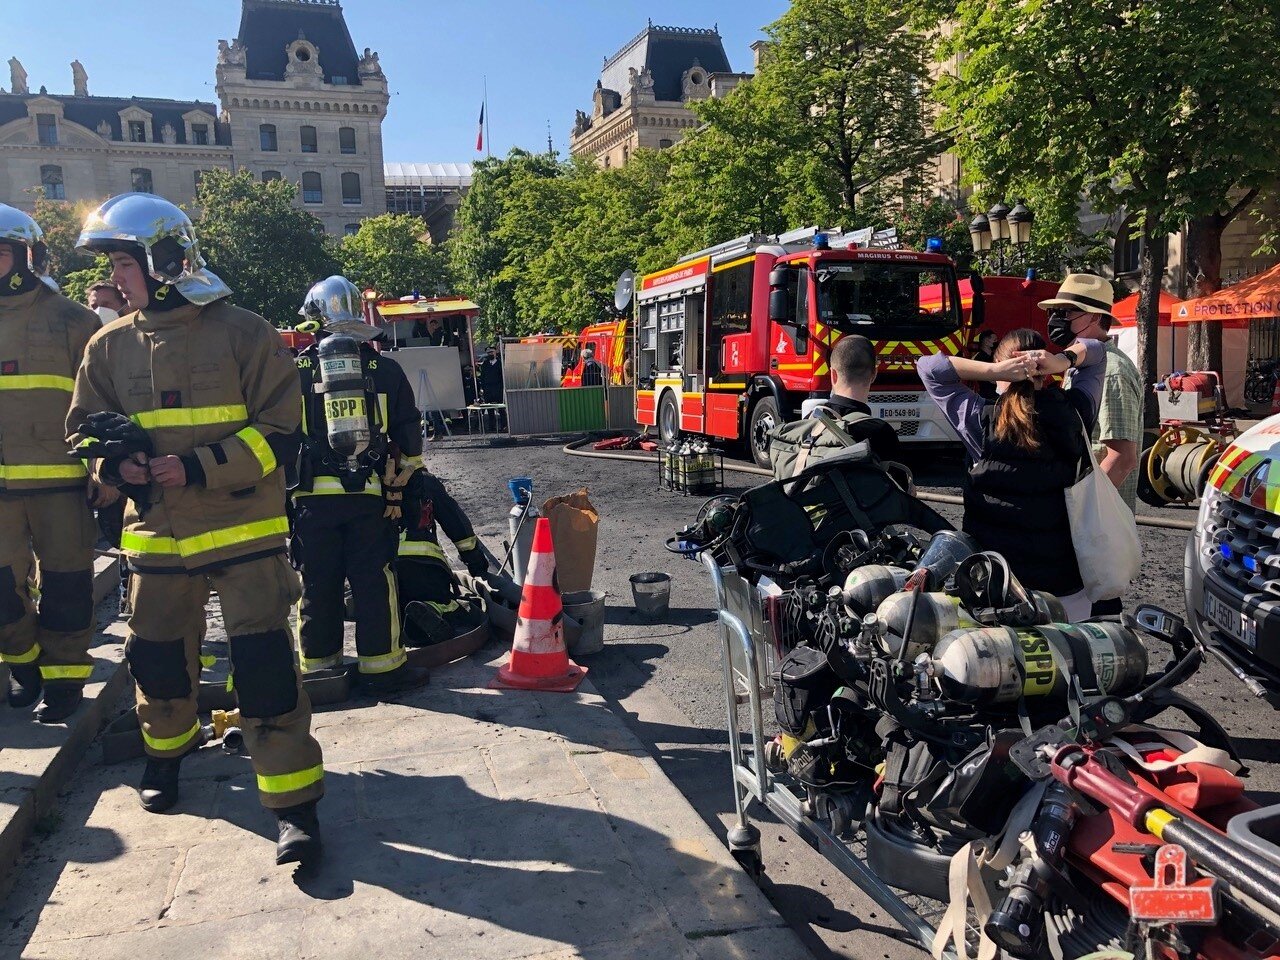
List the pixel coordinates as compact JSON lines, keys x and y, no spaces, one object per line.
{"x":1120,"y":413}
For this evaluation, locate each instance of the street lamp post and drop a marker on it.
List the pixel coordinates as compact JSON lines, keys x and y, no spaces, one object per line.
{"x":999,"y":232}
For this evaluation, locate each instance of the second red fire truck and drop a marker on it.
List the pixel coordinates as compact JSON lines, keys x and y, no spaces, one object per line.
{"x":731,"y":340}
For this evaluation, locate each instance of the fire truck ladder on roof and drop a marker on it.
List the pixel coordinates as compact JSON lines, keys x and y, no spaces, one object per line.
{"x":801,"y":238}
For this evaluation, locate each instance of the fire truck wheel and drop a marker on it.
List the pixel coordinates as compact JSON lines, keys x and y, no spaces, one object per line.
{"x":764,"y":418}
{"x":668,"y":420}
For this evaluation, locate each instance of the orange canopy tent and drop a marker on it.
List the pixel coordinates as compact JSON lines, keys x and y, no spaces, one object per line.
{"x":1258,"y":296}
{"x":1126,"y":311}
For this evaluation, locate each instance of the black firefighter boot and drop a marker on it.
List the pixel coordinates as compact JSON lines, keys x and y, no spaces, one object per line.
{"x":59,"y":702}
{"x":24,"y":685}
{"x":402,"y":679}
{"x":158,"y":789}
{"x":299,"y":835}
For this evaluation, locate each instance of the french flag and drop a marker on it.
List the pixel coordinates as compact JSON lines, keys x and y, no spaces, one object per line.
{"x":480,"y":131}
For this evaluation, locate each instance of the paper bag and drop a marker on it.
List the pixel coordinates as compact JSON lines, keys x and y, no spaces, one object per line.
{"x":573,"y":533}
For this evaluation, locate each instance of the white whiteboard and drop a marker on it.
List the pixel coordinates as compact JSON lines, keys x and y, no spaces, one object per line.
{"x":435,"y":373}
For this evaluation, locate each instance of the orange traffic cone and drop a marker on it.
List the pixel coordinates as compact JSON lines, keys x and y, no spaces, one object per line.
{"x":539,"y":659}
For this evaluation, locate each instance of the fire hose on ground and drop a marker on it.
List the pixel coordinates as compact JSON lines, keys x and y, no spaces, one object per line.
{"x":574,"y":449}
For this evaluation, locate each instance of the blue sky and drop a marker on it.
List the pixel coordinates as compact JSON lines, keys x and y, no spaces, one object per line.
{"x":542,"y":58}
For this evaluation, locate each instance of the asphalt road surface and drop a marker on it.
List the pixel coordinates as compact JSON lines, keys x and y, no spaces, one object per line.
{"x":666,"y":677}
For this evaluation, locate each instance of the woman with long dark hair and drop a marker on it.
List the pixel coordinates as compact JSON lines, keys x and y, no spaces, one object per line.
{"x":1027,"y":446}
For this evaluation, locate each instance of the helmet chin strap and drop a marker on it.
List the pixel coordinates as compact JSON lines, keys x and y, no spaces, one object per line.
{"x":19,"y":279}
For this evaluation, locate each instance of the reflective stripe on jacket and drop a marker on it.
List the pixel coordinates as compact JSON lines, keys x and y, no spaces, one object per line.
{"x":215,"y":383}
{"x":42,"y":339}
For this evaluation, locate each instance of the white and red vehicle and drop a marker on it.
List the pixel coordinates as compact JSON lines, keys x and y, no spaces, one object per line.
{"x":731,"y":340}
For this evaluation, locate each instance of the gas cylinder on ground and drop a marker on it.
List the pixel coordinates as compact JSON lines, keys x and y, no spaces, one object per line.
{"x":867,"y":587}
{"x":936,"y":615}
{"x":1000,"y":665}
{"x":520,"y":523}
{"x":346,"y":413}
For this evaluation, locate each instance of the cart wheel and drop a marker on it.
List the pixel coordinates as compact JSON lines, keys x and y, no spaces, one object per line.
{"x":751,"y":863}
{"x":1146,"y":492}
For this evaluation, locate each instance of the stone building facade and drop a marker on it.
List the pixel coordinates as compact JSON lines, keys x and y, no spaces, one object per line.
{"x":296,"y":101}
{"x":642,"y":97}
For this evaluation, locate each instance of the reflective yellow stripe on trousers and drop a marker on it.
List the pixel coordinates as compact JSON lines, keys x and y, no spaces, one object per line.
{"x":190,"y":416}
{"x":204,"y":542}
{"x":28,"y":657}
{"x":165,"y":744}
{"x":78,"y":672}
{"x":289,"y":782}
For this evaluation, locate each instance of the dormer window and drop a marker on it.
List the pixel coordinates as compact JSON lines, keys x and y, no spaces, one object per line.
{"x":47,"y":129}
{"x":302,"y":54}
{"x":137,"y":131}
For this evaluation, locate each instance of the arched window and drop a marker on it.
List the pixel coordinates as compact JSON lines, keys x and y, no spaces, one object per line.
{"x":309,"y":142}
{"x":267,"y":137}
{"x":51,"y":181}
{"x":140,"y":178}
{"x":347,"y":139}
{"x":269,"y":175}
{"x":1128,"y":249}
{"x":312,"y":191}
{"x":351,"y":188}
{"x":350,"y":228}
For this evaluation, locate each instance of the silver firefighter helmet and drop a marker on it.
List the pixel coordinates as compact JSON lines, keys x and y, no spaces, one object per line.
{"x":334,"y":306}
{"x":17,"y":227}
{"x":166,"y":237}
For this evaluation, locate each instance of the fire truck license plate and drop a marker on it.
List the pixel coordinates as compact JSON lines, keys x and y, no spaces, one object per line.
{"x":1239,"y":626}
{"x":898,"y":413}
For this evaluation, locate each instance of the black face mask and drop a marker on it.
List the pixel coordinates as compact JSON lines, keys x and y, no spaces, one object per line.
{"x":1060,"y":334}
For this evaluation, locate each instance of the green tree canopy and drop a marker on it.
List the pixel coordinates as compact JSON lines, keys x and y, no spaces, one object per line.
{"x":491,"y":242}
{"x":267,"y":250}
{"x":389,"y":254}
{"x":1159,"y":108}
{"x":61,"y":221}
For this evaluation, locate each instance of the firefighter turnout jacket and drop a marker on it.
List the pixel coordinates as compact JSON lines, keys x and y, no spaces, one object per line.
{"x":216,"y":386}
{"x":42,"y":490}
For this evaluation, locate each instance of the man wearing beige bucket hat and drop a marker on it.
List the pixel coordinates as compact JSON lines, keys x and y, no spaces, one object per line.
{"x":1082,"y":310}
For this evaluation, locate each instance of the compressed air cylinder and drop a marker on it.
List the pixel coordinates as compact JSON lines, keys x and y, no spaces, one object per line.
{"x":867,"y":587}
{"x":936,"y":615}
{"x":1049,"y":607}
{"x":346,"y":413}
{"x":998,"y":665}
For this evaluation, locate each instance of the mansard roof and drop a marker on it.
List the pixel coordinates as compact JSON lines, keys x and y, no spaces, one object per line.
{"x":668,"y":52}
{"x":91,"y":111}
{"x":268,"y":26}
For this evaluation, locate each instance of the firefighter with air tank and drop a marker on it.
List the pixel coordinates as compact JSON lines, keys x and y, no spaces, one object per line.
{"x":191,"y":407}
{"x":43,"y":506}
{"x":362,"y":443}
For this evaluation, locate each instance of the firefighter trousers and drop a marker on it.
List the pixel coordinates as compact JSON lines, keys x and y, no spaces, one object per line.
{"x":53,"y":533}
{"x":337,"y":538}
{"x":163,"y":652}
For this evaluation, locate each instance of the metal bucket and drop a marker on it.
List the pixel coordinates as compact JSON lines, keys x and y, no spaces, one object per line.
{"x":651,"y":593}
{"x":587,"y":608}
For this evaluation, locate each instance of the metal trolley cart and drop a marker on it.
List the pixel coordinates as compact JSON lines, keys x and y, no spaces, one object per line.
{"x":749,"y":658}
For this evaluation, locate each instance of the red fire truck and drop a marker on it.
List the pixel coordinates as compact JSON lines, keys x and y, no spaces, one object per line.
{"x":608,"y":343}
{"x":731,"y":340}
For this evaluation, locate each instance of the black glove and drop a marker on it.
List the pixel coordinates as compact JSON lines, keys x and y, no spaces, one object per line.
{"x":113,"y":438}
{"x":476,"y":561}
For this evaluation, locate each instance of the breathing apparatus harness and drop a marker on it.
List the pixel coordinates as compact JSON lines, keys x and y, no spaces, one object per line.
{"x":355,"y":438}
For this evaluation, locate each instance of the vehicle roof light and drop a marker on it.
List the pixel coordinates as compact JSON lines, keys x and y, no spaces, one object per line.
{"x":933,"y":245}
{"x":821,"y":241}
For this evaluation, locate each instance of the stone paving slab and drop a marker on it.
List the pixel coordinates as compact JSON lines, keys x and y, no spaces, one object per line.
{"x":460,"y":823}
{"x":37,"y":760}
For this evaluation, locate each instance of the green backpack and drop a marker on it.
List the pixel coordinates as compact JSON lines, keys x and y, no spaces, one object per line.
{"x":798,"y":445}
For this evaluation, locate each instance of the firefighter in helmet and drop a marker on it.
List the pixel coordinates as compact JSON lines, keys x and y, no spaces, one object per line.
{"x":191,"y":406}
{"x":362,"y":441}
{"x":42,"y":490}
{"x":436,"y":608}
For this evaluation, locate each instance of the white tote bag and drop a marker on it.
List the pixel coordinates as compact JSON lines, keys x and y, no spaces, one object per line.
{"x":1103,"y":532}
